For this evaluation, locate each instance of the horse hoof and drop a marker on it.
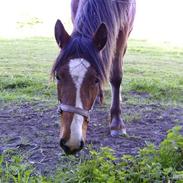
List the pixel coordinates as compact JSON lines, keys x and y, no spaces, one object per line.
{"x":117,"y":133}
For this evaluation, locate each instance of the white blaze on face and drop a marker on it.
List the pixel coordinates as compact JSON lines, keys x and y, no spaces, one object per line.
{"x":78,"y":69}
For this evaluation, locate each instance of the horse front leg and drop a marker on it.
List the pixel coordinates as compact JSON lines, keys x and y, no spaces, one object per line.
{"x":117,"y":126}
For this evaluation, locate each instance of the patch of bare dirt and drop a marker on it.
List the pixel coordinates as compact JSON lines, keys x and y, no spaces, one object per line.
{"x":33,"y":130}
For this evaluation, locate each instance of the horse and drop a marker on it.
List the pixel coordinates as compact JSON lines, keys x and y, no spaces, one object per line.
{"x":91,"y":56}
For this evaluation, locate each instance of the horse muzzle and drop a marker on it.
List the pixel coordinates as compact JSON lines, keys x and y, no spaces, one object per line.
{"x":71,"y":150}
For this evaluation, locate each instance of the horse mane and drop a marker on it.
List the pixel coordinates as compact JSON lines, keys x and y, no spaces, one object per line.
{"x":90,"y":14}
{"x":116,"y":14}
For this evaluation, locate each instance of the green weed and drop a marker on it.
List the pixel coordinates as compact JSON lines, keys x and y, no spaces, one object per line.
{"x":128,"y":118}
{"x":163,"y":164}
{"x":14,"y":168}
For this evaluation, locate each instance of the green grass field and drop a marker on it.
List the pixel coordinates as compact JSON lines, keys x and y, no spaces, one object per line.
{"x":25,"y":67}
{"x":25,"y":71}
{"x":155,"y":70}
{"x":152,"y":74}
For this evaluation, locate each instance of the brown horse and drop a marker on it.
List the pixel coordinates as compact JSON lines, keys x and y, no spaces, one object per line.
{"x":89,"y":57}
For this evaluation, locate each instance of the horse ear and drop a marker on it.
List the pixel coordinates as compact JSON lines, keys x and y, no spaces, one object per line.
{"x":61,"y":36}
{"x":100,"y":37}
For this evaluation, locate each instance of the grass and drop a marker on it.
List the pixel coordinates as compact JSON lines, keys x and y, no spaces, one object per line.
{"x":155,"y":70}
{"x":132,"y":117}
{"x":25,"y":71}
{"x":152,"y":73}
{"x":25,"y":67}
{"x":150,"y":165}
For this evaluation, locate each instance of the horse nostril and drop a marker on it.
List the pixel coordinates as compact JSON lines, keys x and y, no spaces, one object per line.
{"x":62,"y":142}
{"x":82,"y":144}
{"x":64,"y":147}
{"x":67,"y":150}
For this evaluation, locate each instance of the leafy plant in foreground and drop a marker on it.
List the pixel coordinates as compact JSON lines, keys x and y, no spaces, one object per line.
{"x":151,"y":165}
{"x":14,"y":169}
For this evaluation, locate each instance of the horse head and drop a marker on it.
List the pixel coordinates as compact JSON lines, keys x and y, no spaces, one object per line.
{"x":79,"y":73}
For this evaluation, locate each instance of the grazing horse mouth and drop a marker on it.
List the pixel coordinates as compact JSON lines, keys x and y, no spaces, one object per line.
{"x":68,"y":151}
{"x":85,"y":113}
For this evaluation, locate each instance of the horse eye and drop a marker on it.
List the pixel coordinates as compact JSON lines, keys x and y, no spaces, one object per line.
{"x":57,"y":78}
{"x":96,"y":80}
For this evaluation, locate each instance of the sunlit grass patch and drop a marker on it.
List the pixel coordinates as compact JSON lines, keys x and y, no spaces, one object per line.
{"x":159,"y":90}
{"x":25,"y":69}
{"x":128,"y":118}
{"x":25,"y":66}
{"x":155,"y":70}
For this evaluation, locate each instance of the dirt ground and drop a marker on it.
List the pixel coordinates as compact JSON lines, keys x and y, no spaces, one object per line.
{"x":33,"y":130}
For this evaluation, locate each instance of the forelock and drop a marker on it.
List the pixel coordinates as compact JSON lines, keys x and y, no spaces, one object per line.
{"x":80,"y":47}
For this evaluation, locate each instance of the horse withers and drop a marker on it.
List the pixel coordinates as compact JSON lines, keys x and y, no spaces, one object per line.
{"x":90,"y":56}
